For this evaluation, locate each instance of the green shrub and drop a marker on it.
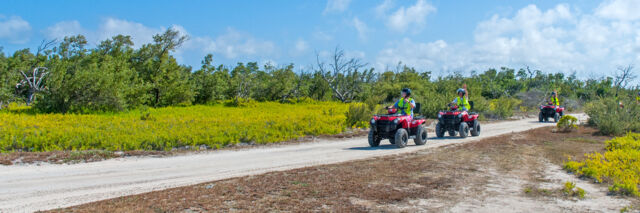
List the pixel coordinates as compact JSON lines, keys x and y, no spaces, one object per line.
{"x":611,"y":119}
{"x":358,"y":115}
{"x":571,"y":190}
{"x":502,"y":108}
{"x":619,"y":165}
{"x":567,"y":123}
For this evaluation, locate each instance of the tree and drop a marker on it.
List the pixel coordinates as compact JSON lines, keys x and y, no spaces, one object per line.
{"x":168,"y":81}
{"x":623,"y":76}
{"x":343,"y":75}
{"x":7,"y":80}
{"x":33,"y":82}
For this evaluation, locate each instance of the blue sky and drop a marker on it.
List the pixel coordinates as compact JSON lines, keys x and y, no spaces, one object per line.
{"x":591,"y":38}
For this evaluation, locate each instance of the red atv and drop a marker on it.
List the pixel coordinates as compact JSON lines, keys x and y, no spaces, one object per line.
{"x":549,"y":110}
{"x":455,"y":120}
{"x":397,"y":128}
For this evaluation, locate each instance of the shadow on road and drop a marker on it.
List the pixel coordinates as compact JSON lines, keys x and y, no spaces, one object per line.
{"x":386,"y":146}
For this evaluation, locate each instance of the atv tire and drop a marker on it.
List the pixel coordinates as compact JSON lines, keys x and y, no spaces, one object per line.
{"x":540,"y":117}
{"x":464,"y":129}
{"x":392,"y":140}
{"x":421,"y":135}
{"x":401,"y":138}
{"x":374,"y":140}
{"x":452,"y":133}
{"x":556,"y":117}
{"x":475,"y":130}
{"x":439,"y":131}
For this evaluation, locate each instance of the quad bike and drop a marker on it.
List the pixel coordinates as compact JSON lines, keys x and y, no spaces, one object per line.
{"x":549,"y":110}
{"x":455,"y":120}
{"x":397,"y":128}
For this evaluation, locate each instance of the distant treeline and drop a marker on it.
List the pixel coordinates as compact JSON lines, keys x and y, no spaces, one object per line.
{"x":114,"y":76}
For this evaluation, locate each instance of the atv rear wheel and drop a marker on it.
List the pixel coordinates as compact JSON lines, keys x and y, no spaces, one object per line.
{"x":452,"y":133}
{"x":439,"y":130}
{"x":475,"y":131}
{"x":401,"y":138}
{"x":556,"y":117}
{"x":540,"y":117}
{"x":421,"y":135}
{"x":374,"y":140}
{"x":392,"y":140}
{"x":464,"y":129}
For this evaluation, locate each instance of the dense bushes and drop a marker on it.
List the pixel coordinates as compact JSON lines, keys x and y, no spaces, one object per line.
{"x":611,"y":119}
{"x":114,"y":76}
{"x":170,"y":127}
{"x":619,"y":165}
{"x":567,"y":123}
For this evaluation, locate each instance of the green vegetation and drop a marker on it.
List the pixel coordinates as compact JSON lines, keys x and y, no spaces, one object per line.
{"x":166,"y":128}
{"x":619,"y":165}
{"x":567,"y":123}
{"x":571,"y":190}
{"x":114,"y":90}
{"x":607,"y":115}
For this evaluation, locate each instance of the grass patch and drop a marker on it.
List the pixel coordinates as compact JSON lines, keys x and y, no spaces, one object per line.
{"x":171,"y":127}
{"x":619,"y":165}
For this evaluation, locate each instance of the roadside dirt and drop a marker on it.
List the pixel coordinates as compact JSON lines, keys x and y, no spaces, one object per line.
{"x":518,"y":172}
{"x":28,"y":187}
{"x":88,"y":156}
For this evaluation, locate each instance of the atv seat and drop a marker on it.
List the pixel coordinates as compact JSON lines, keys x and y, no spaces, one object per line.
{"x":416,"y":111}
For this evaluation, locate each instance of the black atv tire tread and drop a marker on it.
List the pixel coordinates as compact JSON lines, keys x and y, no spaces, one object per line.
{"x":475,"y":131}
{"x":464,"y":129}
{"x":439,"y":131}
{"x":373,"y":140}
{"x":540,"y":117}
{"x":400,"y":134}
{"x":419,"y":140}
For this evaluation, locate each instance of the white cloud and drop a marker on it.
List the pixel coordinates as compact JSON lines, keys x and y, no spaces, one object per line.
{"x":301,"y":46}
{"x":109,"y":27}
{"x":63,"y":29}
{"x":140,"y":34}
{"x":336,"y":6}
{"x":234,"y":44}
{"x":323,"y":36}
{"x":404,"y":18}
{"x":558,"y":39}
{"x":627,"y":10}
{"x":381,"y":9}
{"x":362,"y":28}
{"x":14,"y":29}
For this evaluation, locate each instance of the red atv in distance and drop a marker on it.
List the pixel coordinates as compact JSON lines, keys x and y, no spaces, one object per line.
{"x":455,"y":120}
{"x":397,"y":128}
{"x":549,"y":110}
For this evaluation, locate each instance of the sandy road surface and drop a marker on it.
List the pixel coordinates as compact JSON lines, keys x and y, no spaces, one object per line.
{"x":25,"y":188}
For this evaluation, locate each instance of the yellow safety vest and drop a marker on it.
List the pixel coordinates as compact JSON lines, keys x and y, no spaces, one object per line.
{"x":463,"y":103}
{"x":405,"y":108}
{"x":555,"y":101}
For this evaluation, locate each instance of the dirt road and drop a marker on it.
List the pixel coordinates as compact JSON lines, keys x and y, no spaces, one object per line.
{"x":25,"y":188}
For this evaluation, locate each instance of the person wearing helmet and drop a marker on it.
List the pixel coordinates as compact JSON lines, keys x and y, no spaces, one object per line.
{"x":406,"y":103}
{"x":462,"y":101}
{"x":554,"y":99}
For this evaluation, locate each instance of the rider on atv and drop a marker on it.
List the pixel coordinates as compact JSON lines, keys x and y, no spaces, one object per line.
{"x":406,"y":104}
{"x":463,"y":99}
{"x":554,"y":99}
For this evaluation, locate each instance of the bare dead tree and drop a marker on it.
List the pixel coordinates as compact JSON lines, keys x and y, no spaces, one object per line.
{"x":624,"y":75}
{"x":343,"y":75}
{"x":33,"y":82}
